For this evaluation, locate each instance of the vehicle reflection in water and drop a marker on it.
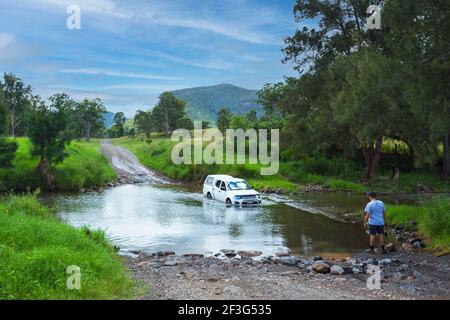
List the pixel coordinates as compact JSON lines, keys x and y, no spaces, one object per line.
{"x":152,"y":219}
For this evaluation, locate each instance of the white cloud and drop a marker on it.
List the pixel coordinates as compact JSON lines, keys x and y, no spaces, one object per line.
{"x":112,"y":73}
{"x":163,"y":15}
{"x":6,"y":41}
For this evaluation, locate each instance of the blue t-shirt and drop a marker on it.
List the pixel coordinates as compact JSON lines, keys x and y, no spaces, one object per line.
{"x":376,"y":210}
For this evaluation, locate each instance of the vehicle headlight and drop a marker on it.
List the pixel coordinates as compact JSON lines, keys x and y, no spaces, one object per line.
{"x":237,"y":197}
{"x":258,"y":196}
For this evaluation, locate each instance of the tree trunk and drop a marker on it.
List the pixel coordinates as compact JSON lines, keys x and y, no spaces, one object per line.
{"x":446,"y":169}
{"x":372,"y":154}
{"x":13,"y":125}
{"x":48,"y":179}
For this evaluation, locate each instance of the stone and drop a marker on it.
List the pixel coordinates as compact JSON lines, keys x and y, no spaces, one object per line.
{"x":194,"y":256}
{"x":321,"y":267}
{"x":390,"y":247}
{"x":418,"y":275}
{"x":385,"y":262}
{"x":408,"y":288}
{"x":229,"y":253}
{"x":234,"y":292}
{"x":317,"y":258}
{"x":282,"y":254}
{"x":289,"y":261}
{"x":356,"y":270}
{"x":372,"y":262}
{"x":170,"y":263}
{"x":280,"y":191}
{"x":398,"y":276}
{"x":417,"y":244}
{"x":407,"y":247}
{"x":249,"y":254}
{"x":337,"y":270}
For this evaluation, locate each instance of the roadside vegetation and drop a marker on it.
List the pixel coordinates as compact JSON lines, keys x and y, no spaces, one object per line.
{"x":432,"y":219}
{"x":309,"y":172}
{"x":83,"y":167}
{"x":36,"y":249}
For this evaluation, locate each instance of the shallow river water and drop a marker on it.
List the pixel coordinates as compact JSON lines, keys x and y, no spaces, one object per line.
{"x":152,"y":218}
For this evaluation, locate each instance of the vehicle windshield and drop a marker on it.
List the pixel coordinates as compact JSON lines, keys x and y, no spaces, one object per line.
{"x":239,"y":185}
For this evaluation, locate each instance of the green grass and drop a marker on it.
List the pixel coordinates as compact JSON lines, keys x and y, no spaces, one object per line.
{"x":36,"y":249}
{"x":157,"y":156}
{"x":330,"y":173}
{"x":432,"y":218}
{"x":84,"y":167}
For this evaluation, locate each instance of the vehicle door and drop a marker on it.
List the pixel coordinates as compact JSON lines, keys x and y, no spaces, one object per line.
{"x":216,"y":189}
{"x":222,"y":192}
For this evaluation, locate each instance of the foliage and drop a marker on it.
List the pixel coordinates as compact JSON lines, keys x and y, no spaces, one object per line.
{"x":16,"y":98}
{"x":223,"y":119}
{"x":84,"y":167}
{"x":36,"y":248}
{"x":7,"y":152}
{"x":90,"y":115}
{"x":432,"y":218}
{"x":168,"y":112}
{"x":204,"y":103}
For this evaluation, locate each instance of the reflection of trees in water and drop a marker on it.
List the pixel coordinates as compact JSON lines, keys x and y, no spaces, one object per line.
{"x":306,"y":232}
{"x":235,"y":230}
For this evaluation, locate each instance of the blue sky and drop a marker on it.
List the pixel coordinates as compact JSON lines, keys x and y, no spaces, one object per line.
{"x":128,"y":52}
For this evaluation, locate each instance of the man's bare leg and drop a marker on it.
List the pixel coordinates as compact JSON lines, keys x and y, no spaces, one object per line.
{"x":383,"y":250}
{"x":372,"y":244}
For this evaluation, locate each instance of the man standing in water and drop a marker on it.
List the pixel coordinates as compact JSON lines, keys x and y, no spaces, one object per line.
{"x":374,"y":220}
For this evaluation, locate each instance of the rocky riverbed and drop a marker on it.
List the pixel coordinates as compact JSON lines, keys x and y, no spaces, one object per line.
{"x":248,"y":275}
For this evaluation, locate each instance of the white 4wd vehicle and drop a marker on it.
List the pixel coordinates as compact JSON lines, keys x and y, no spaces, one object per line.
{"x":230,"y":190}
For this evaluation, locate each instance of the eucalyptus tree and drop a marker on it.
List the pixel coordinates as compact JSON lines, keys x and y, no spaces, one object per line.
{"x":89,"y":115}
{"x":49,"y":132}
{"x":16,"y":98}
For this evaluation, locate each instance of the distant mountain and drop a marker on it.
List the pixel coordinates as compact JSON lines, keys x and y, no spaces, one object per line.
{"x":108,"y":119}
{"x":204,"y":103}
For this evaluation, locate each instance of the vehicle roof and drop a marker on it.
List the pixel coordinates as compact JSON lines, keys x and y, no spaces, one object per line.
{"x":224,"y":177}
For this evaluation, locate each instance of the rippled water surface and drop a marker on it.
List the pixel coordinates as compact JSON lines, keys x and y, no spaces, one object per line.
{"x":153,"y":218}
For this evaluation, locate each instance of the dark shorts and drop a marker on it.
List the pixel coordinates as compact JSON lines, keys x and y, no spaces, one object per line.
{"x":376,"y":230}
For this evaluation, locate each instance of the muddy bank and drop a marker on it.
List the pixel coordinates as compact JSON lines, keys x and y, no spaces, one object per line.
{"x":230,"y":276}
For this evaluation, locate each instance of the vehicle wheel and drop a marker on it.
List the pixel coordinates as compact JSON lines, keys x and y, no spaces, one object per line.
{"x":209,"y":196}
{"x":229,"y":202}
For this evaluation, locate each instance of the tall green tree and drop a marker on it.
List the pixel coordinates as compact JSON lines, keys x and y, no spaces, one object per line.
{"x":419,"y":37}
{"x":144,"y":122}
{"x":7,"y":148}
{"x":167,"y":112}
{"x":49,"y":133}
{"x":90,"y":117}
{"x":119,"y":121}
{"x":16,"y":97}
{"x":223,"y":119}
{"x":270,"y":96}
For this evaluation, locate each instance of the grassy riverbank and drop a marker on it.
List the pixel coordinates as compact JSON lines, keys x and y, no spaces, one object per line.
{"x":36,"y":248}
{"x":315,"y":171}
{"x":84,"y":167}
{"x":432,"y":220}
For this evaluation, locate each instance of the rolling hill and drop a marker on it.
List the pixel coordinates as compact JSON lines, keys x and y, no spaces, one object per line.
{"x":203,"y":103}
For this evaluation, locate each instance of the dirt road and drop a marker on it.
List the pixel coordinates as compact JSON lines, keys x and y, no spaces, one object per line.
{"x":128,"y":167}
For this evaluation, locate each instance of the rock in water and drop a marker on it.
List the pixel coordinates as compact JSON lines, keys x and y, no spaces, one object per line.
{"x":321,"y":267}
{"x":229,"y":253}
{"x":249,"y":254}
{"x":337,"y":270}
